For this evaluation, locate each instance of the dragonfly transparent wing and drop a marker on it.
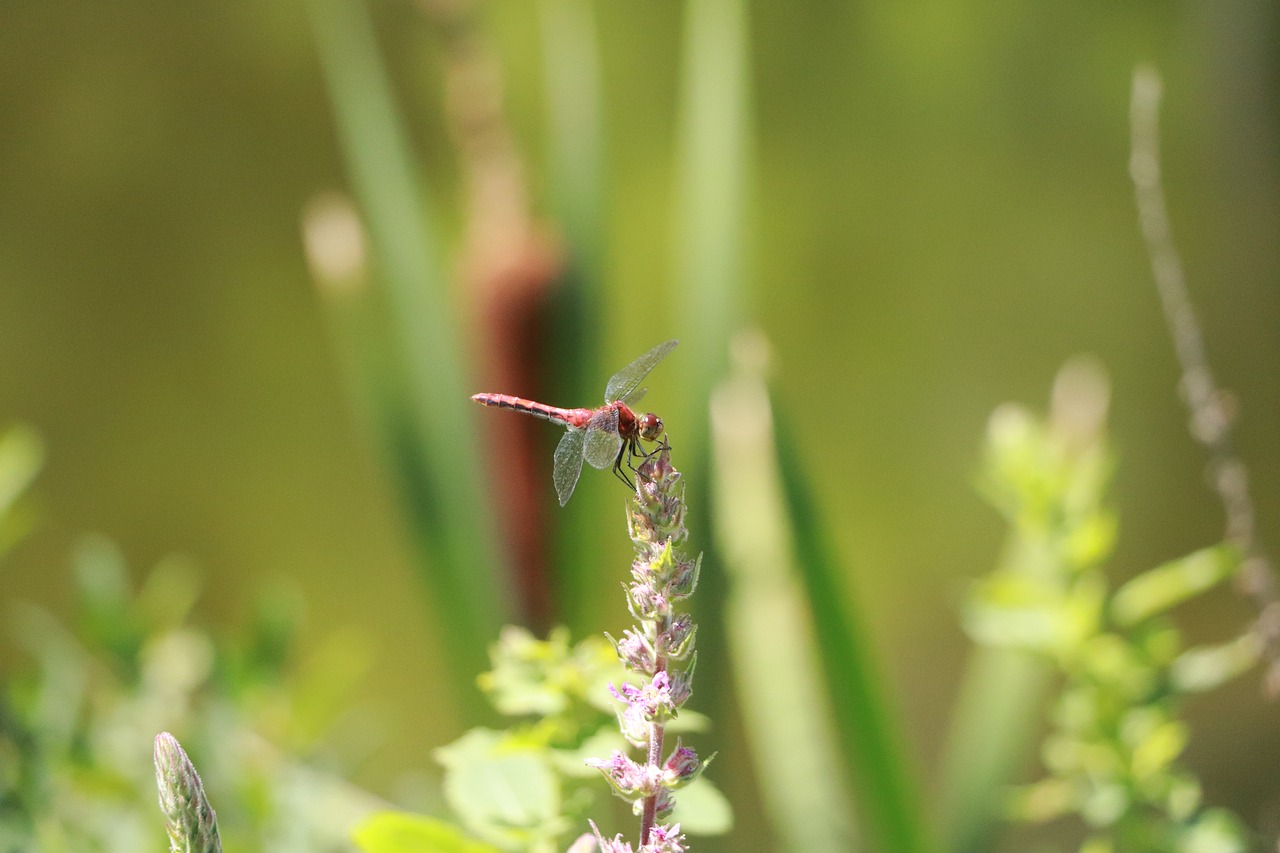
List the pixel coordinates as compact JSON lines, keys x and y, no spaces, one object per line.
{"x":568,"y":464}
{"x":603,"y":441}
{"x":629,"y":378}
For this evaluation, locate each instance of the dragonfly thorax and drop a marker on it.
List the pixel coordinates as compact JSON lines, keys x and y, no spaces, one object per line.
{"x":634,"y":427}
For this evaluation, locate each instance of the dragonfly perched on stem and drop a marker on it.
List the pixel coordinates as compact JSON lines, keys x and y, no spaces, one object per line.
{"x":606,"y":437}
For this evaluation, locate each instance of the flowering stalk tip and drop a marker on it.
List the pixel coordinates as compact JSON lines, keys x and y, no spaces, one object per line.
{"x":189,"y":819}
{"x":659,"y":649}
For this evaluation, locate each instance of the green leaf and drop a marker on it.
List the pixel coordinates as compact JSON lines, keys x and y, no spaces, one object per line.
{"x":1217,"y":831}
{"x":1158,"y":748}
{"x":1206,"y":667}
{"x":1172,"y":583}
{"x":502,"y":791}
{"x":550,"y":677}
{"x":702,"y":809}
{"x":397,"y":832}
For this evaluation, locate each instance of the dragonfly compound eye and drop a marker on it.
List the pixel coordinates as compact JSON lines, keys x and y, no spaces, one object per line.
{"x":650,"y":427}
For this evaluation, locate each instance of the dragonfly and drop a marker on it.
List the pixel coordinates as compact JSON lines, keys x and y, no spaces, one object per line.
{"x":607,"y":437}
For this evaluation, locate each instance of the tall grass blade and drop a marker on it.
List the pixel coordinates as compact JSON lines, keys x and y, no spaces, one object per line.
{"x":432,"y":427}
{"x":888,"y":797}
{"x":993,"y":725}
{"x":575,"y":154}
{"x":715,"y":145}
{"x":777,"y":668}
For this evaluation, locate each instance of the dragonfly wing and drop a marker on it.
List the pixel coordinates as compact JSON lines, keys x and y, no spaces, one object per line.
{"x":628,"y":378}
{"x":602,"y":439}
{"x":633,"y":399}
{"x":568,"y":464}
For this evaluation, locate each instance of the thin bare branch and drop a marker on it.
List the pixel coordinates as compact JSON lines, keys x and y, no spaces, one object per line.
{"x":1211,"y":416}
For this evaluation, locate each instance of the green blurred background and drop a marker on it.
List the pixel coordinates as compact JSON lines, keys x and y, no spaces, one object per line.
{"x":940,"y":215}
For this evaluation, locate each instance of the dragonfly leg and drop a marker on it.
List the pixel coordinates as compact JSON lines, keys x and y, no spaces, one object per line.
{"x":629,"y":452}
{"x":661,"y":444}
{"x":617,"y":465}
{"x":635,"y":449}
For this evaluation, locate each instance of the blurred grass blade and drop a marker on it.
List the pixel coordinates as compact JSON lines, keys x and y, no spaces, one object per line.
{"x":571,"y":66}
{"x":992,"y":735}
{"x":337,"y":253}
{"x":433,"y":449}
{"x":711,"y":197}
{"x":21,"y":456}
{"x":575,"y":156}
{"x":786,"y":716}
{"x":874,"y":756}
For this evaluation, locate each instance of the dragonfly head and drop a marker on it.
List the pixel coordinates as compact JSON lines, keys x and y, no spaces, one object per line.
{"x":650,"y":426}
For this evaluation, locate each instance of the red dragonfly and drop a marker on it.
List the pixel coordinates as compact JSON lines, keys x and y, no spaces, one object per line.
{"x":605,"y":437}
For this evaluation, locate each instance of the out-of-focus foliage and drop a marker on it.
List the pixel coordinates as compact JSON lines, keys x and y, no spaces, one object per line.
{"x":21,"y":454}
{"x":395,"y":832}
{"x":527,"y":787}
{"x":78,"y":717}
{"x":1113,"y":754}
{"x":924,"y":204}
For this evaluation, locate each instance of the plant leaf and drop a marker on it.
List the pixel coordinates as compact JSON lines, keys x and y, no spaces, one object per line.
{"x":1168,"y":585}
{"x":398,"y":832}
{"x":702,"y":809}
{"x":501,"y":790}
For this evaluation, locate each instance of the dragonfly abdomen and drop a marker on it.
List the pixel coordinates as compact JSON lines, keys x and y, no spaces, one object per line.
{"x":572,"y":417}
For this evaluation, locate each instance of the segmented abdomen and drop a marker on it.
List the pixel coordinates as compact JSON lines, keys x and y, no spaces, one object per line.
{"x":572,"y":417}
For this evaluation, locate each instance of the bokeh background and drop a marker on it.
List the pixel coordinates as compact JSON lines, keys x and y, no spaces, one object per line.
{"x":938,"y":214}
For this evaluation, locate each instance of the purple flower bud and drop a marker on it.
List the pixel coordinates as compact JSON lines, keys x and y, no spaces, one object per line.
{"x":634,"y":725}
{"x":678,"y":687}
{"x":584,"y":843}
{"x":610,"y":845}
{"x":684,"y":579}
{"x":626,"y":693}
{"x":636,"y":652}
{"x":664,"y":839}
{"x":681,"y":767}
{"x":663,"y":804}
{"x":657,"y":700}
{"x":628,"y":778}
{"x":647,"y":603}
{"x":677,"y":640}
